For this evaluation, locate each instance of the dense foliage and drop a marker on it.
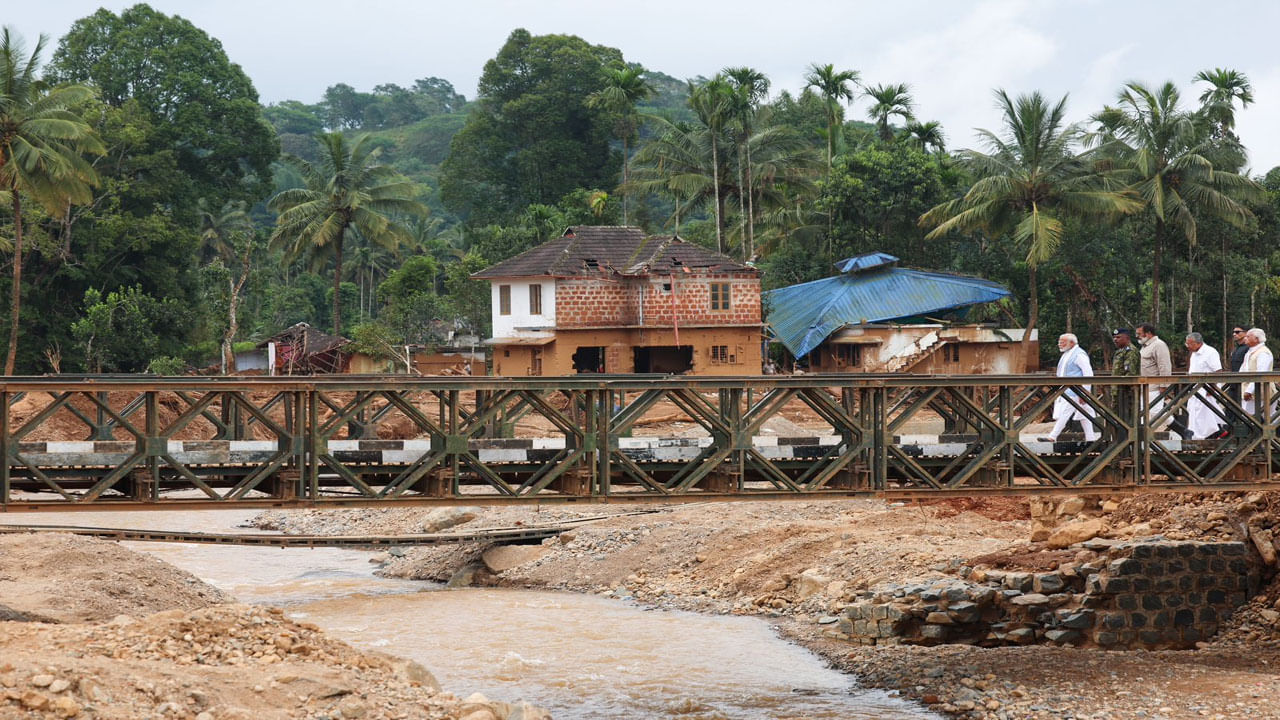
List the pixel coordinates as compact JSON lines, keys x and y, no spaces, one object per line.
{"x":167,"y":216}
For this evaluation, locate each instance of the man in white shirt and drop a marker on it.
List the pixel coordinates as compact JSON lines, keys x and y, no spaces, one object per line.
{"x":1073,"y":363}
{"x":1203,"y":418}
{"x":1259,"y":359}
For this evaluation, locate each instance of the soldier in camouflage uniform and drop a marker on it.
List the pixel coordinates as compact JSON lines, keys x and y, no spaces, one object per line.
{"x":1126,"y":362}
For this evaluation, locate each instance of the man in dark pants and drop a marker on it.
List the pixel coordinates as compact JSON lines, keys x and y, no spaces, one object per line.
{"x":1236,"y":362}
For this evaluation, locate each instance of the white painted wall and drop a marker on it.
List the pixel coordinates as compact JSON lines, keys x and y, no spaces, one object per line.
{"x":517,"y":323}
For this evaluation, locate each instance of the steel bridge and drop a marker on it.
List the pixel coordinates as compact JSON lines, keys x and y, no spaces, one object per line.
{"x":139,"y":442}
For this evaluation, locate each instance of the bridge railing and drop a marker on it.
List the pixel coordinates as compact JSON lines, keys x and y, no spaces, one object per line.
{"x":143,"y":441}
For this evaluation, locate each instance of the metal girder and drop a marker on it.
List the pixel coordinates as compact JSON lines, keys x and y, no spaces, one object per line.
{"x":355,"y":441}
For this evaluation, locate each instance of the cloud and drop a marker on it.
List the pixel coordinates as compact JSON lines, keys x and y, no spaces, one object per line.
{"x":1257,"y":124}
{"x":953,"y":70}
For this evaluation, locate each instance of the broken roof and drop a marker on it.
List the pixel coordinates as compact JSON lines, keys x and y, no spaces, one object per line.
{"x":307,"y":339}
{"x":869,"y":289}
{"x":592,"y":249}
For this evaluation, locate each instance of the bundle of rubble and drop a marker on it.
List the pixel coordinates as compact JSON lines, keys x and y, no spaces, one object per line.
{"x":1152,"y":594}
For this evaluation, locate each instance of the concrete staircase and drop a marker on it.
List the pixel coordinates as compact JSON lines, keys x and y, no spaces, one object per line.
{"x":914,"y":353}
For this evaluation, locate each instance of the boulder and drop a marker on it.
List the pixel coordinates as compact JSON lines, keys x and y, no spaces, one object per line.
{"x":1262,"y":540}
{"x":811,"y":583}
{"x":504,"y":557}
{"x":1076,"y":532}
{"x":445,"y":518}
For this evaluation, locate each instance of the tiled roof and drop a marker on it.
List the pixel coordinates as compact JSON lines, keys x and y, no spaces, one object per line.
{"x":592,"y":249}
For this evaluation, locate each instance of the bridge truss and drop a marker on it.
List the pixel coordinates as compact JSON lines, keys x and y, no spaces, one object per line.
{"x":127,"y":442}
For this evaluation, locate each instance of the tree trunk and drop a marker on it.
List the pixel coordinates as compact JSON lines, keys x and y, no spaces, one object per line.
{"x":1155,"y":274}
{"x":15,"y":295}
{"x":337,"y":283}
{"x":742,"y":209}
{"x":715,"y":183}
{"x":1033,"y":316}
{"x":625,"y":217}
{"x":751,"y":210}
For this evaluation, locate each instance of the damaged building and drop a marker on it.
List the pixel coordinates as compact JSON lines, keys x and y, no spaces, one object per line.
{"x":606,"y":299}
{"x":877,"y":317}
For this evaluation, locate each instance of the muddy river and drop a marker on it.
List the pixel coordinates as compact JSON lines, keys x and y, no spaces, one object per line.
{"x":578,"y":656}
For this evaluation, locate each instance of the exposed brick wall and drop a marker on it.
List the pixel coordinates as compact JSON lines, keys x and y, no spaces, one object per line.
{"x":595,"y":302}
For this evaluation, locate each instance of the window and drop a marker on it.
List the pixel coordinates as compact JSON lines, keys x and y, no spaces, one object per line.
{"x":719,"y":296}
{"x":504,"y":299}
{"x":720,"y":355}
{"x":847,"y":355}
{"x":951,"y":353}
{"x":535,"y":299}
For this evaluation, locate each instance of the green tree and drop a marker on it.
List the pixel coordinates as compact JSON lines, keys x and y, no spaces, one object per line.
{"x":712,"y":103}
{"x":1226,"y":88}
{"x":1164,"y":153}
{"x":227,"y":236}
{"x":531,"y":138}
{"x":1029,"y":183}
{"x":347,"y":190}
{"x":833,"y":86}
{"x":889,"y":101}
{"x":42,"y":141}
{"x":750,"y":88}
{"x":204,"y":107}
{"x":623,"y":89}
{"x":122,"y":331}
{"x":927,"y":136}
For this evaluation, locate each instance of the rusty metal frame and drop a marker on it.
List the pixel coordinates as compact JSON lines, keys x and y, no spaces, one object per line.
{"x":586,"y":452}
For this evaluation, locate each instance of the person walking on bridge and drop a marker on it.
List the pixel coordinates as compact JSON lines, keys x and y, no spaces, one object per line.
{"x":1155,"y":363}
{"x":1127,"y":361}
{"x":1258,"y":360}
{"x":1203,"y":412}
{"x":1073,"y":363}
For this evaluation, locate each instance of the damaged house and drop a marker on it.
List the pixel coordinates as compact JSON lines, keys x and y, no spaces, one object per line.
{"x":876,"y":317}
{"x":604,"y":299}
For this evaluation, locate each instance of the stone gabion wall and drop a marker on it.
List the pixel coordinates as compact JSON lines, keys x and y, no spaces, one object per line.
{"x":1141,"y":594}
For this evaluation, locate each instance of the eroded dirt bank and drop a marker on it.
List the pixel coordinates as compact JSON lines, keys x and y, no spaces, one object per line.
{"x":798,"y":564}
{"x":89,"y":629}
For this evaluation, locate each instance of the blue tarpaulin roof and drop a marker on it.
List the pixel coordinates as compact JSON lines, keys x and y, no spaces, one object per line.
{"x":870,"y":291}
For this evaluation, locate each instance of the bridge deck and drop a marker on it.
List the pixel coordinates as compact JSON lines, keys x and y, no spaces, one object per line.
{"x":130,"y":443}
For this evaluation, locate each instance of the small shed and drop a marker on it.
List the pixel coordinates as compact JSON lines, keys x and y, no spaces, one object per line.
{"x":877,"y":317}
{"x":304,"y":350}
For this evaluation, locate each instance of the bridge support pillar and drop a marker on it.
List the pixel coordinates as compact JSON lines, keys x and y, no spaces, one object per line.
{"x":141,"y":486}
{"x":721,"y":481}
{"x":437,"y":483}
{"x":576,"y":482}
{"x":284,"y":484}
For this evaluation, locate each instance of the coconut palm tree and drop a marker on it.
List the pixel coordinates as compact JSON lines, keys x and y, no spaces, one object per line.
{"x":833,"y":86}
{"x":890,"y":100}
{"x":624,"y":87}
{"x":1027,"y":185}
{"x":42,"y":146}
{"x":347,"y":190}
{"x":1164,"y":153}
{"x":750,"y":87}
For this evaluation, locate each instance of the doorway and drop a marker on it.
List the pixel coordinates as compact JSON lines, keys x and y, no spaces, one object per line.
{"x":668,"y":360}
{"x":589,"y":360}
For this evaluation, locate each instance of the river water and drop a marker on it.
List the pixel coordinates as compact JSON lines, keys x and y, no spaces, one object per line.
{"x":578,"y":656}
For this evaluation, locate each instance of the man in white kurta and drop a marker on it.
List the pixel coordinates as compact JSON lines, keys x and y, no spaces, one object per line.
{"x":1259,"y":359}
{"x":1073,"y":363}
{"x":1203,"y":419}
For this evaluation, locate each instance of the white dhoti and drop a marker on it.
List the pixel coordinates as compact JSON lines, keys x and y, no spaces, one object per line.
{"x":1064,"y":412}
{"x":1202,"y":415}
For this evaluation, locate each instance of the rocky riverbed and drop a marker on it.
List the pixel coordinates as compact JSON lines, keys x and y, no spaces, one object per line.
{"x":89,"y":629}
{"x":800,"y":564}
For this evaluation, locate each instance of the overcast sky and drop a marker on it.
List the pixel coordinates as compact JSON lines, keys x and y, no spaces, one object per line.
{"x":952,"y":53}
